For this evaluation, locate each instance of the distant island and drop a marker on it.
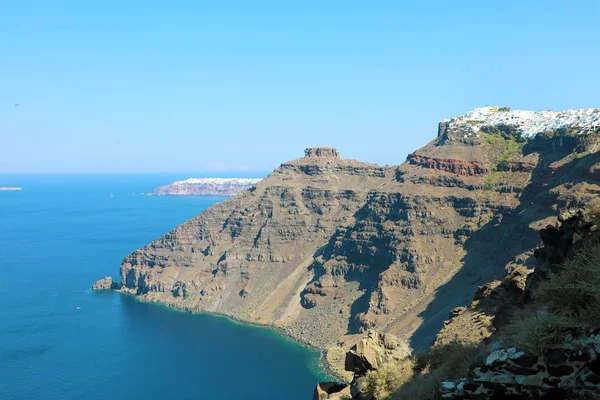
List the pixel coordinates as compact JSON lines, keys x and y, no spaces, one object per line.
{"x":206,"y":187}
{"x":9,"y":188}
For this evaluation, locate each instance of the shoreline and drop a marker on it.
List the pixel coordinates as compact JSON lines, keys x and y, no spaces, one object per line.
{"x":323,"y":362}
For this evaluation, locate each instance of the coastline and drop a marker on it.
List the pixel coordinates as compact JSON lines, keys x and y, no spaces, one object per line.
{"x":324,"y":364}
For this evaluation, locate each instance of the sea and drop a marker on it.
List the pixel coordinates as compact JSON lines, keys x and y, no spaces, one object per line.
{"x":60,"y":340}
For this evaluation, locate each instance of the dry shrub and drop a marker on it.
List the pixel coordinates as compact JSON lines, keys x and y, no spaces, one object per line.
{"x":423,"y":387}
{"x":536,"y":330}
{"x":575,"y":290}
{"x":591,"y":314}
{"x":381,"y":383}
{"x":592,"y":211}
{"x":446,"y":362}
{"x":452,"y":358}
{"x":568,"y":300}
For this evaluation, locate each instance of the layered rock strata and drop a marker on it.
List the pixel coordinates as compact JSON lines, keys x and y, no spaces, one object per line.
{"x":327,"y":248}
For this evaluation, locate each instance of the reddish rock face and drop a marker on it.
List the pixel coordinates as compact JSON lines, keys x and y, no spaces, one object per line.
{"x":329,"y":152}
{"x":519,"y":166}
{"x":459,"y":167}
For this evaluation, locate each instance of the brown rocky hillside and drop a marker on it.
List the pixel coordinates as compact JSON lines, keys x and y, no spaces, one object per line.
{"x":326,"y":248}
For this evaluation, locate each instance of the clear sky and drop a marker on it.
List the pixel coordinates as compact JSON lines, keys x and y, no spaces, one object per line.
{"x":148,"y":86}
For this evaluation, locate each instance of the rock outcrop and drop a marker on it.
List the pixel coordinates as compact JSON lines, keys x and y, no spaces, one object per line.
{"x":331,"y":391}
{"x":326,"y":248}
{"x":327,"y":152}
{"x":371,"y":353}
{"x":492,"y":308}
{"x":559,"y":244}
{"x":105,"y":284}
{"x":458,"y":167}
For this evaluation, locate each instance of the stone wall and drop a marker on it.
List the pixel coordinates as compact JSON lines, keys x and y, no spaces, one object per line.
{"x":567,"y":371}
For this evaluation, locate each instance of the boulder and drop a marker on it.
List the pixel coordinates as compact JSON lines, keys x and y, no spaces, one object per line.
{"x":331,"y":391}
{"x":358,"y":389}
{"x":373,"y":351}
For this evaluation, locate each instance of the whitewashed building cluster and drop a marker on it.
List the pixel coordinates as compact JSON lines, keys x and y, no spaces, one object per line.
{"x":530,"y":123}
{"x":218,"y":181}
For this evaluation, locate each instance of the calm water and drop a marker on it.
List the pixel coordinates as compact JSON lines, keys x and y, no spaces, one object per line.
{"x":60,"y":340}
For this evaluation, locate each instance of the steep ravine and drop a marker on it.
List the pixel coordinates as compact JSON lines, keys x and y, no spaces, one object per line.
{"x":325,"y":248}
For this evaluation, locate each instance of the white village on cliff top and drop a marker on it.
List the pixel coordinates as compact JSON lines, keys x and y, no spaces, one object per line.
{"x":530,"y":123}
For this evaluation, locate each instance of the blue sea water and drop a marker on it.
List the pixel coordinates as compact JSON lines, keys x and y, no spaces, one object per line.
{"x":61,"y":340}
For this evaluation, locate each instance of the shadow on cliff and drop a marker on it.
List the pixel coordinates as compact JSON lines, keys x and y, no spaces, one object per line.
{"x":497,"y":242}
{"x":362,"y":262}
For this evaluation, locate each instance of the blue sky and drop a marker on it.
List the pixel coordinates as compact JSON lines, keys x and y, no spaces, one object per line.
{"x":152,"y":86}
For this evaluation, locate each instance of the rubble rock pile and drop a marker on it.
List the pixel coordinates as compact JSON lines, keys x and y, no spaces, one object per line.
{"x":570,"y":370}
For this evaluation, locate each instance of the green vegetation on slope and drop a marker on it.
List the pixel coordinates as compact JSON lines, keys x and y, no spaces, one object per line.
{"x":506,"y":143}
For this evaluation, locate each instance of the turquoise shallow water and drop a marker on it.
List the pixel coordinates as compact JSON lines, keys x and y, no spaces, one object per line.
{"x":60,"y":340}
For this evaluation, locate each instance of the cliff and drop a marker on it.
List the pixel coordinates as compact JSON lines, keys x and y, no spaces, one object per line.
{"x":533,"y":335}
{"x":207,"y":187}
{"x":326,"y":248}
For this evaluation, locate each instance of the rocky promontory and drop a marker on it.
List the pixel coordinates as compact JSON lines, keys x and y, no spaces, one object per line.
{"x":105,"y":284}
{"x":327,"y":248}
{"x":206,"y":187}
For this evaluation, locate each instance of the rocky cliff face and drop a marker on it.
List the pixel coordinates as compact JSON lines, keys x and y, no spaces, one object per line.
{"x":326,"y":248}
